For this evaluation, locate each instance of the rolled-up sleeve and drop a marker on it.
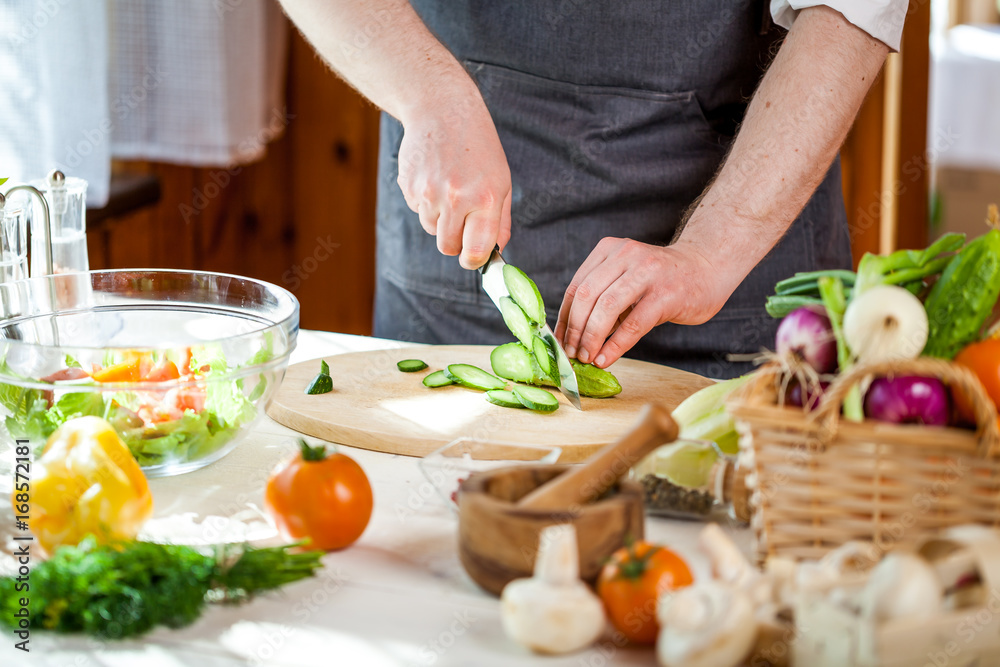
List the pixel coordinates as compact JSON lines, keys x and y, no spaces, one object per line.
{"x":882,"y":19}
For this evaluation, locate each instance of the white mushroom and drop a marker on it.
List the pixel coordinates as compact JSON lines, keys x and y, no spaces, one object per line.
{"x":728,"y":562}
{"x":709,"y":624}
{"x":902,"y":585}
{"x":553,"y":612}
{"x":844,"y":564}
{"x":731,"y":567}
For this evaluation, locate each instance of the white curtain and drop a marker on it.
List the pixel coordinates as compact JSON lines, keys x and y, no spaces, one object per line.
{"x":194,"y":82}
{"x":54,"y":92}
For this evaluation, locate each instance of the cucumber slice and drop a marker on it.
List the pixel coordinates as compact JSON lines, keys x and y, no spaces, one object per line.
{"x":470,"y":376}
{"x":514,"y":362}
{"x":411,"y":365}
{"x":542,"y":356}
{"x":525,"y":293}
{"x":322,"y":383}
{"x":535,"y":398}
{"x":438,"y":379}
{"x":517,"y":321}
{"x":503,"y":398}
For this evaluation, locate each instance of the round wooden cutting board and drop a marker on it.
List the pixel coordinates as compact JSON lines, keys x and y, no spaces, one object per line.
{"x":375,"y":406}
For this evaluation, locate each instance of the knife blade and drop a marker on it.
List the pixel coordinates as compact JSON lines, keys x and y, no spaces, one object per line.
{"x":496,"y":288}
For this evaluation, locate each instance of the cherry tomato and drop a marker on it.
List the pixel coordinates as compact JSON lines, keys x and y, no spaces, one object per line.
{"x":325,"y":499}
{"x":632,"y":582}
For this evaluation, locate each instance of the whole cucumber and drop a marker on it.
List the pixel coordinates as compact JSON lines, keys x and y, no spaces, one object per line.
{"x":595,"y":382}
{"x":963,"y":298}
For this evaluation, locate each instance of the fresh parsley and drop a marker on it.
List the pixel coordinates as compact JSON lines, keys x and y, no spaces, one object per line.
{"x":134,"y":587}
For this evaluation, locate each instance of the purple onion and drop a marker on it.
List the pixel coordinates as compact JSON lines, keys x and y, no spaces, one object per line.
{"x":908,"y":400}
{"x":806,"y":333}
{"x":813,"y":394}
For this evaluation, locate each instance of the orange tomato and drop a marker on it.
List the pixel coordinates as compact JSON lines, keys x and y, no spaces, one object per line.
{"x":185,"y":398}
{"x":126,"y":371}
{"x":163,"y":371}
{"x":983,"y":359}
{"x":325,"y":499}
{"x":632,"y":582}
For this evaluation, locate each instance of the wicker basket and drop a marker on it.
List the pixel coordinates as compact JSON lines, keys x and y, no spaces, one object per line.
{"x":819,"y":481}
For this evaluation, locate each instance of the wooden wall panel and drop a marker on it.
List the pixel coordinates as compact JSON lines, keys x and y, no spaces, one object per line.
{"x":914,"y":168}
{"x":861,"y":154}
{"x":861,"y":157}
{"x":335,"y":144}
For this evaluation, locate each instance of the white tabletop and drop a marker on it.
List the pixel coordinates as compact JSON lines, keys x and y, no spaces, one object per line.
{"x":397,"y":597}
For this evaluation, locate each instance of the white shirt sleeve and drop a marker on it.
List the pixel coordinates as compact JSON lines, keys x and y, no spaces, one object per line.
{"x":882,"y":19}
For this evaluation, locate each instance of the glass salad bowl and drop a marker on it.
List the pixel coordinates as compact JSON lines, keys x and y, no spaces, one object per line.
{"x":180,"y":363}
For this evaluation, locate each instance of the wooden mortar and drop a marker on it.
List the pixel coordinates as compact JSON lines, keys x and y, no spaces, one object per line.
{"x":502,"y":512}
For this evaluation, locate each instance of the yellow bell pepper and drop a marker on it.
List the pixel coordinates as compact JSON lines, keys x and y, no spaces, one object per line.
{"x":87,"y":482}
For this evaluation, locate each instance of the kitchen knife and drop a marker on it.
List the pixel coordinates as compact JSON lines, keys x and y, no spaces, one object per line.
{"x":496,"y":288}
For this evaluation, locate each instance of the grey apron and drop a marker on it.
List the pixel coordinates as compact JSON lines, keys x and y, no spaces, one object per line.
{"x":614,"y":116}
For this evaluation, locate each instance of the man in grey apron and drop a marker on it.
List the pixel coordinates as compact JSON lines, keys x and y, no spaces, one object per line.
{"x":613,"y":117}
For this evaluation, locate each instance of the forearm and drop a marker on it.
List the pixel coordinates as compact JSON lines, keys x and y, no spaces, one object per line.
{"x":793,"y":128}
{"x":383,"y":49}
{"x":452,"y":169}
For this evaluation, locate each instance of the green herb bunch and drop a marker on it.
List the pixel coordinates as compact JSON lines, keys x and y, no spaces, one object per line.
{"x":125,"y":590}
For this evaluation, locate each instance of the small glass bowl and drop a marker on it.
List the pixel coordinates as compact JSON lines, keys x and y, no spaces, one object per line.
{"x":230,"y":337}
{"x":447,"y":467}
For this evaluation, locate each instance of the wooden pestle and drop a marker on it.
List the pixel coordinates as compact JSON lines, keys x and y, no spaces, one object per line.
{"x":584,"y":484}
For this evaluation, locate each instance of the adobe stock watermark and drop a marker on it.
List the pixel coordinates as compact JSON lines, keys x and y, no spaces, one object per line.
{"x":432,"y":651}
{"x":911,"y":171}
{"x":44,"y":12}
{"x":972,"y":624}
{"x":362,"y":37}
{"x":223,"y":7}
{"x":300,"y":271}
{"x":124,"y":104}
{"x":272,"y":642}
{"x":247,"y":150}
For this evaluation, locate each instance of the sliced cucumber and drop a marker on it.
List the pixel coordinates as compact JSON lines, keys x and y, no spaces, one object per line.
{"x":517,"y":321}
{"x":503,"y":398}
{"x":411,"y":365}
{"x":535,"y":398}
{"x":438,"y":379}
{"x":514,"y":362}
{"x":525,"y":293}
{"x":543,"y":356}
{"x":322,"y":383}
{"x":595,"y":382}
{"x":550,"y":341}
{"x":470,"y":376}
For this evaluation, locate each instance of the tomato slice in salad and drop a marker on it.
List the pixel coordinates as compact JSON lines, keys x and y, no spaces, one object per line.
{"x":126,"y":371}
{"x":162,"y":372}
